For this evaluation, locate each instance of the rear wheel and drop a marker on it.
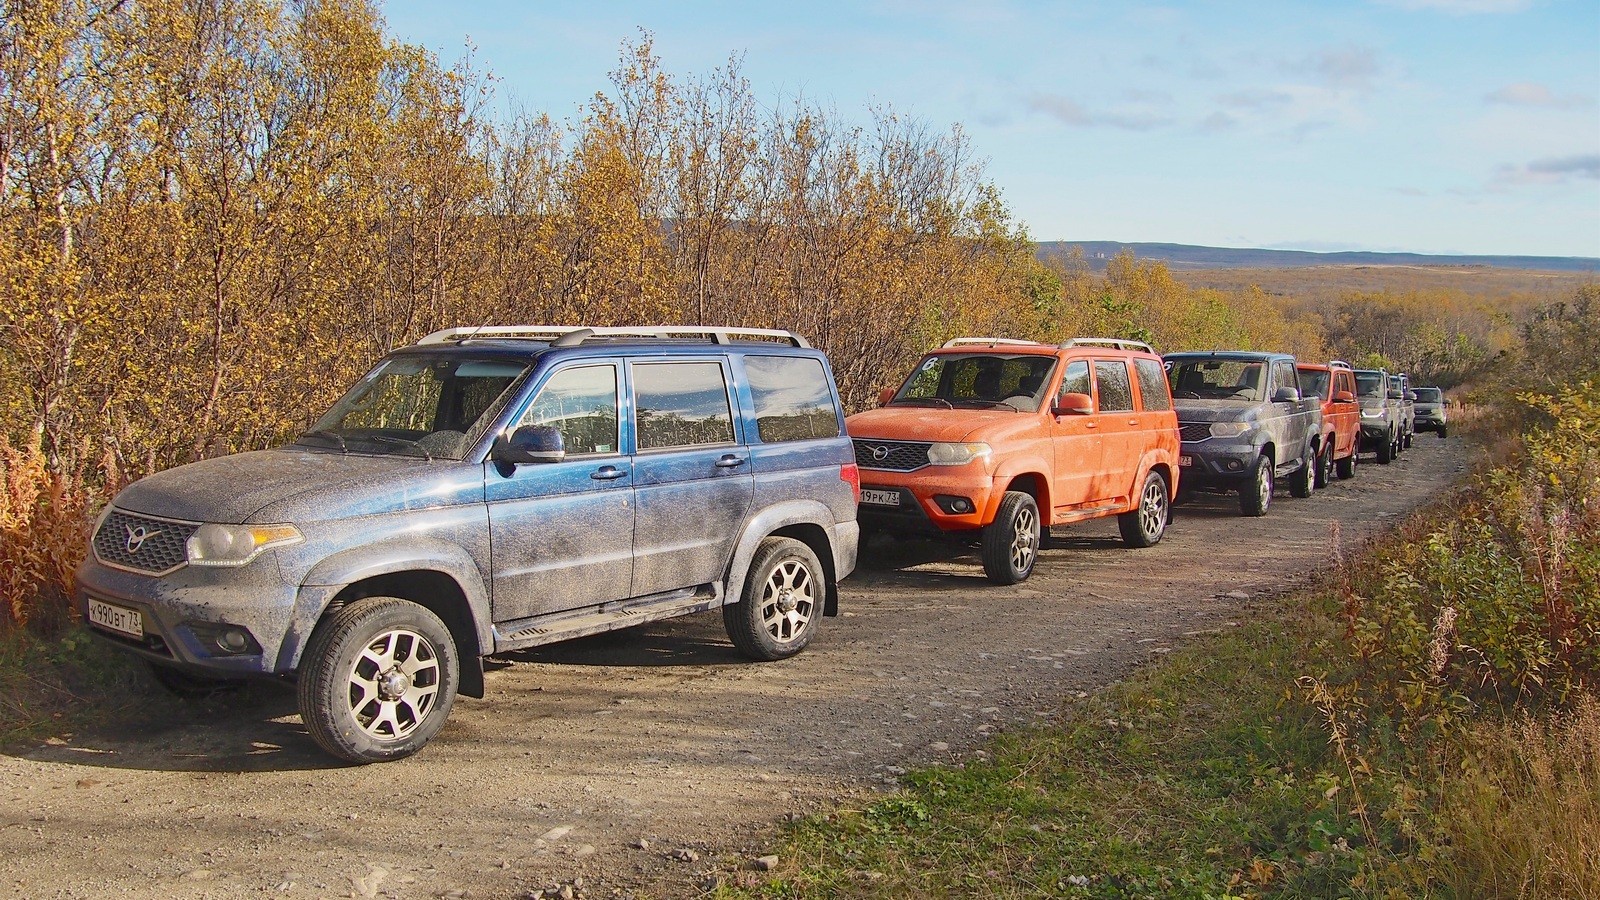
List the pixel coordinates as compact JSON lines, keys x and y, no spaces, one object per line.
{"x":378,"y":680}
{"x":1011,"y":541}
{"x":1304,"y":479}
{"x":1255,"y":496}
{"x":783,"y":596}
{"x":1144,"y":526}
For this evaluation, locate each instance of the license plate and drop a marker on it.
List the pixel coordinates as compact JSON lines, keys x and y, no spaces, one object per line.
{"x":1185,"y":461}
{"x":117,"y":618}
{"x":880,"y":498}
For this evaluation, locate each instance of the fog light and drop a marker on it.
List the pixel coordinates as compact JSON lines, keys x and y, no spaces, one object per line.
{"x":224,"y":639}
{"x":1234,"y":465}
{"x":954,"y":505}
{"x":233,"y":640}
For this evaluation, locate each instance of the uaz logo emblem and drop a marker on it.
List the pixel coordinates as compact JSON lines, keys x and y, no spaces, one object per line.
{"x":137,"y":537}
{"x":880,"y":453}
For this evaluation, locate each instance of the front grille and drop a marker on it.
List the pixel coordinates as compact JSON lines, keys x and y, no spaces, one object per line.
{"x":891,"y":456}
{"x":1194,"y":431}
{"x":157,"y":545}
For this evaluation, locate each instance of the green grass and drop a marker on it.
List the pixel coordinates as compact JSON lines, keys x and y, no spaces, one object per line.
{"x":51,"y":685}
{"x":1208,"y":775}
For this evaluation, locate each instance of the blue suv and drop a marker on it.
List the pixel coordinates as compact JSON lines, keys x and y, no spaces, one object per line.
{"x":486,"y":490}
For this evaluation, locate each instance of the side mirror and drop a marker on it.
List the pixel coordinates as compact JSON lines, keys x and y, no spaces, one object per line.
{"x":1343,"y":397}
{"x":530,"y":444}
{"x":1286,"y":395}
{"x":1411,"y":395}
{"x":1396,"y":395}
{"x":885,"y":395}
{"x":1073,"y":405}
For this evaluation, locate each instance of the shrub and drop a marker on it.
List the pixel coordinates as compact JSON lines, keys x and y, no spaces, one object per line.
{"x":45,"y":517}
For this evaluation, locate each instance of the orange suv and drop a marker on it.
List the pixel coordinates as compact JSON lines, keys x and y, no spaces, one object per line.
{"x":995,"y":439}
{"x":1335,"y":384}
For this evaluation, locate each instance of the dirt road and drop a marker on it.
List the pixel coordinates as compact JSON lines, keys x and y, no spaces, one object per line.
{"x":634,"y":763}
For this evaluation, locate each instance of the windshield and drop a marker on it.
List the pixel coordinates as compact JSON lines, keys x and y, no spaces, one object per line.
{"x":1315,"y":382}
{"x":1429,"y":395}
{"x":432,"y":406}
{"x":1216,"y":379}
{"x":978,"y":381}
{"x":1369,"y":385}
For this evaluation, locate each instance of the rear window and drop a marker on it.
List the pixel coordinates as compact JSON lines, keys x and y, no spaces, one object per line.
{"x":1152,"y":384}
{"x":792,"y":398}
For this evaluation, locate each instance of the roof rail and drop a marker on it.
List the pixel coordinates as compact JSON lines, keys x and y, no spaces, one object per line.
{"x":1339,"y":364}
{"x":573,"y":335}
{"x":1118,"y":343}
{"x":987,"y":341}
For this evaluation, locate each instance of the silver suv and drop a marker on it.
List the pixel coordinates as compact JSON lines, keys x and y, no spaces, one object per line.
{"x":486,"y":490}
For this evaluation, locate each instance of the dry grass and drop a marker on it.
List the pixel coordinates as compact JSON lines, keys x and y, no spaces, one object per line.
{"x":44,"y":530}
{"x":1522,"y":814}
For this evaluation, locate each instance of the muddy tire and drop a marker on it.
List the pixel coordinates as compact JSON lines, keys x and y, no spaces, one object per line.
{"x":1011,"y":541}
{"x":1144,"y":526}
{"x":1255,"y":494}
{"x":377,"y":680}
{"x":191,"y":685}
{"x":1304,"y":480}
{"x":1346,"y":468}
{"x":1442,"y":431}
{"x":782,"y":599}
{"x":1386,"y":452}
{"x":1325,"y":466}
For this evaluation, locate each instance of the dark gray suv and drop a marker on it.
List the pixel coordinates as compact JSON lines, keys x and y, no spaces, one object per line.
{"x":486,"y":490}
{"x":1244,"y":423}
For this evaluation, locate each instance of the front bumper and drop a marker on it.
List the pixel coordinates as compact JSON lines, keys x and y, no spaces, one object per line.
{"x":184,"y":614}
{"x":927,"y":500}
{"x":1216,"y":464}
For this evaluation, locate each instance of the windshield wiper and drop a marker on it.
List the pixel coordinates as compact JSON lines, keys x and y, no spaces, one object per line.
{"x":325,"y":433}
{"x":398,"y":442}
{"x":947,"y":403}
{"x":989,"y":404}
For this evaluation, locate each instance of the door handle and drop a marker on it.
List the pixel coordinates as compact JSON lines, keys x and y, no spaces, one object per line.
{"x":1133,"y":421}
{"x":729,"y":462}
{"x":607,"y":473}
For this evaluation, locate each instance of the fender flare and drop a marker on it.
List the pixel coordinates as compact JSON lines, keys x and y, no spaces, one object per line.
{"x":334,"y":573}
{"x":782,"y":515}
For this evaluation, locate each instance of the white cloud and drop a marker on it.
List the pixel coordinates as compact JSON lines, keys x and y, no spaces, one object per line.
{"x":1554,"y":170}
{"x":1527,"y":93}
{"x":1350,"y":67}
{"x":1070,"y":112}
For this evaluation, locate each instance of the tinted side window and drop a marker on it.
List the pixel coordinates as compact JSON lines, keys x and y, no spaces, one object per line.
{"x":1283,"y":376}
{"x":1152,"y":384}
{"x":1076,"y":379}
{"x":793,"y":402}
{"x":1116,"y":393}
{"x":681,"y":405}
{"x":582,"y":403}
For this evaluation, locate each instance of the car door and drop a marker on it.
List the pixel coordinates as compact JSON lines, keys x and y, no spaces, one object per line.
{"x":561,"y":533}
{"x":1347,"y":414}
{"x":692,"y":473}
{"x":1119,"y":430}
{"x":1077,"y":443}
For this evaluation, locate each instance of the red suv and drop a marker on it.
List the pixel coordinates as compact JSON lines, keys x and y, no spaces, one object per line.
{"x":995,"y":439}
{"x":1335,"y":384}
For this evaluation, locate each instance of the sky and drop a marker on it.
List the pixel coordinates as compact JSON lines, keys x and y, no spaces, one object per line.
{"x":1428,"y":126}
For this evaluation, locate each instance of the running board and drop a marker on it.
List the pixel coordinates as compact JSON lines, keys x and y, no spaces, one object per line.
{"x":548,"y":629}
{"x":1073,"y":515}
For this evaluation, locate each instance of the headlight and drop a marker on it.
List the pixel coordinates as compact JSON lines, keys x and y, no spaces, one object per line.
{"x":1229,"y":429}
{"x":235,"y":545}
{"x":956,"y":454}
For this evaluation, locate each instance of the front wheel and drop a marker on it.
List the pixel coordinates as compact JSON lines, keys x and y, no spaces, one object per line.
{"x":1386,"y":452}
{"x":1347,"y":466}
{"x":378,"y":680}
{"x":1304,"y":480}
{"x":783,"y":596}
{"x":1325,"y":465}
{"x":1011,"y":541}
{"x":1144,"y":526}
{"x":1255,"y":496}
{"x":1442,"y":432}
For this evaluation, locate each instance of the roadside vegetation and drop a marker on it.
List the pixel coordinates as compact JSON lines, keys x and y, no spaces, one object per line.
{"x":1426,"y":722}
{"x":214,"y":215}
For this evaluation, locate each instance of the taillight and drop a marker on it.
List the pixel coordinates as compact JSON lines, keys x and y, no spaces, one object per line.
{"x":850,"y":474}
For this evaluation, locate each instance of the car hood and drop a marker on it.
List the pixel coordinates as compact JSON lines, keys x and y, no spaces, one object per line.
{"x":1214,"y":410}
{"x":294,"y":485}
{"x":926,"y":423}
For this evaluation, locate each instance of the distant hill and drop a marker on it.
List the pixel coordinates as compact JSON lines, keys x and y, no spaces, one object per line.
{"x":1185,"y":256}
